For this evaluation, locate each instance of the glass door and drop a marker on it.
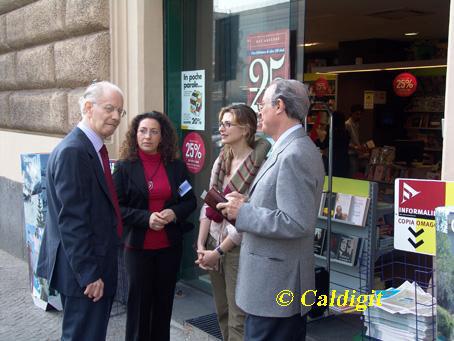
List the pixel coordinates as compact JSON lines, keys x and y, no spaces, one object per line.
{"x":240,"y":47}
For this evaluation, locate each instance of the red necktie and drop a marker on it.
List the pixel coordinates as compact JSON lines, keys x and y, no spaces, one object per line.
{"x":111,"y":187}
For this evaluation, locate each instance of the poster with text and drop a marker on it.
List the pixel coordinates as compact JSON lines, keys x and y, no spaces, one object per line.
{"x":193,"y":100}
{"x":268,"y":59}
{"x":414,"y":213}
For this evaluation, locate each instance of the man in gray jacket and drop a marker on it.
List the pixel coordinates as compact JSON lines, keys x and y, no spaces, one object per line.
{"x":278,"y":219}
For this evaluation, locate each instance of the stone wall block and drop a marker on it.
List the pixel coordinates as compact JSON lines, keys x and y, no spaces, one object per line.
{"x":9,"y":5}
{"x":74,"y":115}
{"x":7,"y":71}
{"x":35,"y":67}
{"x":40,"y":111}
{"x":5,"y":117}
{"x":38,"y":23}
{"x":84,"y":16}
{"x":3,"y":45}
{"x":79,"y":61}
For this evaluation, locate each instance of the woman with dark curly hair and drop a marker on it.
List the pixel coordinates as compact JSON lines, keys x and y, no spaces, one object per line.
{"x":155,"y":198}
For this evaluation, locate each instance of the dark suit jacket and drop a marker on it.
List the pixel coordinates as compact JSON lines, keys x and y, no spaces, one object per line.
{"x":132,"y":190}
{"x":80,"y":240}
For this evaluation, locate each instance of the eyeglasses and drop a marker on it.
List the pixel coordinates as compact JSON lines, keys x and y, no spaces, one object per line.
{"x":226,"y":125}
{"x":110,"y":109}
{"x":149,"y":132}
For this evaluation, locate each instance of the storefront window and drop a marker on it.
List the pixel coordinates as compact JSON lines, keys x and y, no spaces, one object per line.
{"x":241,"y":46}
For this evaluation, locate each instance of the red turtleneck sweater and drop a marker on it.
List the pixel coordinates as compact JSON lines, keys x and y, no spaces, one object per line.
{"x":157,"y":196}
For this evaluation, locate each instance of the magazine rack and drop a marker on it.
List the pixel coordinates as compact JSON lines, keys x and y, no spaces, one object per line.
{"x":359,"y":275}
{"x":397,"y":267}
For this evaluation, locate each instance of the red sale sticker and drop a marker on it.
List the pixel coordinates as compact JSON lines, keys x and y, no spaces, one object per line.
{"x":405,"y":84}
{"x":194,"y":152}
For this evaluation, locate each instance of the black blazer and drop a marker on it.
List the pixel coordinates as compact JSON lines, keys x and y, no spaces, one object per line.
{"x":80,"y":240}
{"x":132,"y":190}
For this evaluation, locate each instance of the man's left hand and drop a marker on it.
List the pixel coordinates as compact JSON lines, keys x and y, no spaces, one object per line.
{"x":230,"y":208}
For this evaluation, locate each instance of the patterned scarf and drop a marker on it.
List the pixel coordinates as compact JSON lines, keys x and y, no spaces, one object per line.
{"x":242,"y":179}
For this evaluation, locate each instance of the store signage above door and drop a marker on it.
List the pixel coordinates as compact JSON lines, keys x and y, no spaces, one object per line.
{"x":414,"y":213}
{"x":268,"y":59}
{"x":405,"y":84}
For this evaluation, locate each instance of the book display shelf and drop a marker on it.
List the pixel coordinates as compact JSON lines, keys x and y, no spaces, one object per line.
{"x":352,"y":242}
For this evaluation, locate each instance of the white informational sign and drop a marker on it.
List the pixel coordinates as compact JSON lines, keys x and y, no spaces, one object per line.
{"x":193,"y":100}
{"x":414,"y":213}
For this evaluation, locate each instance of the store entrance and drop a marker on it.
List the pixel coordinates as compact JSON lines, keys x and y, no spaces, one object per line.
{"x":236,"y":48}
{"x":382,"y":68}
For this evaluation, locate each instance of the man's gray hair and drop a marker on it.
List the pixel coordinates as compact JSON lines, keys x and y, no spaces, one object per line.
{"x":94,"y":91}
{"x":295,"y":96}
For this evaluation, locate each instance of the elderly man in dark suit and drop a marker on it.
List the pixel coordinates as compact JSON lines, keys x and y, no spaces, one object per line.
{"x":79,"y":251}
{"x":278,"y":220}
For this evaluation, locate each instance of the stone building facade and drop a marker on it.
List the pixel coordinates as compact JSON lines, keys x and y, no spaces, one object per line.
{"x":50,"y":50}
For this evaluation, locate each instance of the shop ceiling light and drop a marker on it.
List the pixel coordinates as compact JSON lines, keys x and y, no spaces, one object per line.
{"x":411,"y":33}
{"x":315,"y":43}
{"x":404,"y":65}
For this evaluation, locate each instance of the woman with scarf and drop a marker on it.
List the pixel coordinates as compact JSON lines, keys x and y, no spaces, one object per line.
{"x":218,"y":243}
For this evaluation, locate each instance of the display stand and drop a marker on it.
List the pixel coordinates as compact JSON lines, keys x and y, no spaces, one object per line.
{"x":358,"y":276}
{"x":394,"y":269}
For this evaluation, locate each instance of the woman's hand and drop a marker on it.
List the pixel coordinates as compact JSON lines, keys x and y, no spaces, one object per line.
{"x":209,"y":258}
{"x":199,"y":260}
{"x":168,"y":215}
{"x":156,"y":222}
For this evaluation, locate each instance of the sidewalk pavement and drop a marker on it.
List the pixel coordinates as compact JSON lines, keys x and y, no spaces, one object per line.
{"x":21,"y":320}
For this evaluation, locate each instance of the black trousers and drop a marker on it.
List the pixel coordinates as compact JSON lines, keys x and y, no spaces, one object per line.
{"x":152,"y":276}
{"x":84,"y":319}
{"x":259,"y":328}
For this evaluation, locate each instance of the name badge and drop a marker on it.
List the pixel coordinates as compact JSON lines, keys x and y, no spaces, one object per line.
{"x":184,"y":188}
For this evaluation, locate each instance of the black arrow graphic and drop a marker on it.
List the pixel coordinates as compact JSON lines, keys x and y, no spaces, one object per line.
{"x":414,"y":233}
{"x":418,"y":244}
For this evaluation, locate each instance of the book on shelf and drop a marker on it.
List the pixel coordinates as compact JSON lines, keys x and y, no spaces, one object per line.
{"x":323,"y":210}
{"x":342,"y":206}
{"x":358,"y":210}
{"x":348,"y":208}
{"x":319,"y":240}
{"x":347,"y":250}
{"x":334,"y":244}
{"x":344,"y":248}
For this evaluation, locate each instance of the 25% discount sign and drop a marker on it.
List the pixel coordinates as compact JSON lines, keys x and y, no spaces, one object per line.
{"x":405,"y":84}
{"x":194,"y":152}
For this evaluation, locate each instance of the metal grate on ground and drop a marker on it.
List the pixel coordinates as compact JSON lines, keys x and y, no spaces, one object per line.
{"x":208,"y":323}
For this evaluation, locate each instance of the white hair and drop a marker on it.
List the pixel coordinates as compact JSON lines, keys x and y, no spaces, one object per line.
{"x":94,"y":91}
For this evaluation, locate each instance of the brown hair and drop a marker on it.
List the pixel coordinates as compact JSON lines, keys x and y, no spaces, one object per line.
{"x":167,"y":147}
{"x":244,"y":116}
